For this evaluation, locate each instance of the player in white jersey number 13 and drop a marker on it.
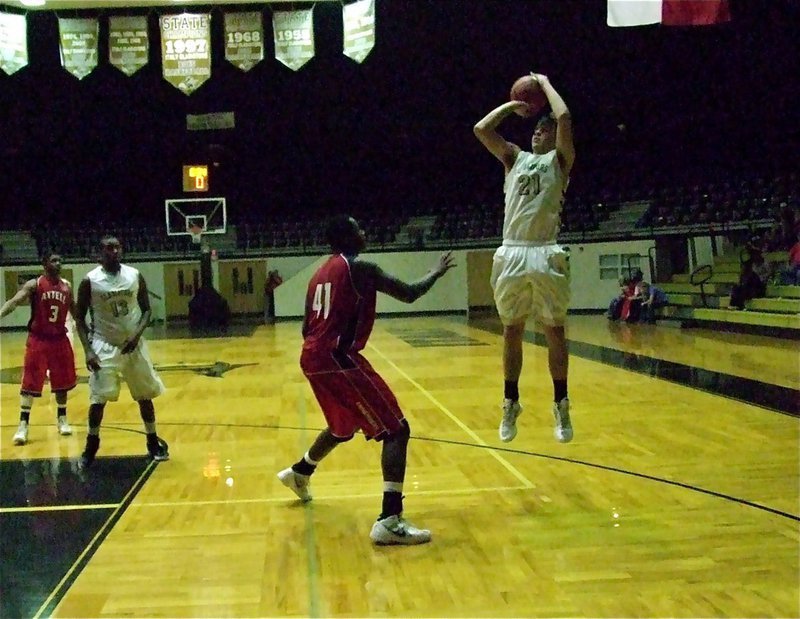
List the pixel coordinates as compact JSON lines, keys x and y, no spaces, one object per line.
{"x":115,"y":296}
{"x":530,"y":272}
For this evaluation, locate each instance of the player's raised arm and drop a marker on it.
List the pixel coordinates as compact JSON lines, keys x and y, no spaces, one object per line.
{"x":564,"y":144}
{"x":368,"y":273}
{"x":22,"y":296}
{"x":486,"y":132}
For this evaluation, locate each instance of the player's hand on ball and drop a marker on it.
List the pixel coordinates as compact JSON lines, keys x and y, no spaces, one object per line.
{"x":539,"y":77}
{"x":522,"y":109}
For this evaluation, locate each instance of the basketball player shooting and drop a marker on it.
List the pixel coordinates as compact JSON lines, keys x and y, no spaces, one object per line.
{"x":530,"y":272}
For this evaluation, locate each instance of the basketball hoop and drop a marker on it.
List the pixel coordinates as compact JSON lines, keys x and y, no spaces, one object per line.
{"x":196,"y":232}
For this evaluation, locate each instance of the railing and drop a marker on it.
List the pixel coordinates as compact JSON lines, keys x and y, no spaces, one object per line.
{"x":699,"y":277}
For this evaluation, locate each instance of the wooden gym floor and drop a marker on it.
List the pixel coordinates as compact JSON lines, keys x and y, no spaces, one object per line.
{"x":678,"y":497}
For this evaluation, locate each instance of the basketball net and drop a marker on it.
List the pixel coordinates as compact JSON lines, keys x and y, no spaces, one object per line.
{"x":196,"y":233}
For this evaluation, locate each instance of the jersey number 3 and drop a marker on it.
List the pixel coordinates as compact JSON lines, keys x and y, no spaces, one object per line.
{"x":319,"y":304}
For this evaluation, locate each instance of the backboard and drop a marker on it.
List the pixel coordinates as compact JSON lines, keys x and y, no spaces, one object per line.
{"x":183,"y":214}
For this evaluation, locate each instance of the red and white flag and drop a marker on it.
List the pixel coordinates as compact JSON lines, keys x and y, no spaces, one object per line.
{"x":667,"y":12}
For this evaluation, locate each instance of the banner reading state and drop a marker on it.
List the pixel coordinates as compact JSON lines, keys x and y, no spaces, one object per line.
{"x":78,"y":45}
{"x":294,"y":37}
{"x":13,"y":42}
{"x":186,"y":50}
{"x":128,"y":44}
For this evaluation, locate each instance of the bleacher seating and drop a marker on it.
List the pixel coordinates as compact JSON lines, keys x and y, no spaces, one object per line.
{"x":779,"y":309}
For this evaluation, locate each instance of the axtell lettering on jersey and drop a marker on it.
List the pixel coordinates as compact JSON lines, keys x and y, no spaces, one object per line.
{"x":54,"y":295}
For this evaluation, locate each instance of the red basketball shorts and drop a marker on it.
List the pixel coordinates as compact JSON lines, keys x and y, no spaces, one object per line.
{"x":352,"y":396}
{"x":43,"y":354}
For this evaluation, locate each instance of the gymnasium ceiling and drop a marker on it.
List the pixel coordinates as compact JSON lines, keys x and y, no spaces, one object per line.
{"x":56,"y":5}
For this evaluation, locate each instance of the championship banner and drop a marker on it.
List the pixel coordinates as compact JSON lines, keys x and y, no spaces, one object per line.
{"x":128,"y":44}
{"x":294,"y":37}
{"x":244,"y":39}
{"x":186,"y":50}
{"x":13,"y":43}
{"x":78,"y":48}
{"x":359,"y":29}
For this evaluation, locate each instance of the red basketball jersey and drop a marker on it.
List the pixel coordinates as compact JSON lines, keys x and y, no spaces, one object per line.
{"x":49,"y":307}
{"x":338,"y":317}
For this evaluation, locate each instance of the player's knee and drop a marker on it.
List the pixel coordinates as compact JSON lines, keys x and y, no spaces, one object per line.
{"x":61,"y":397}
{"x":403,"y":433}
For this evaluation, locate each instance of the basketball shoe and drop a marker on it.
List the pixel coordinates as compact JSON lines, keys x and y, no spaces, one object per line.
{"x":297,"y":483}
{"x":157,"y":449}
{"x":90,"y":451}
{"x":395,"y":530}
{"x":508,"y":425}
{"x":64,"y":429}
{"x":563,"y":428}
{"x":21,"y":435}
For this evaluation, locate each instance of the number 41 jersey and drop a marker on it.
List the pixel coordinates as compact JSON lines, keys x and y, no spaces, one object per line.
{"x":338,"y":318}
{"x":114,"y":310}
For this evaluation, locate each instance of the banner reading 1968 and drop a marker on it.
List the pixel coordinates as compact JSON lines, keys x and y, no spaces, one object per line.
{"x":244,"y":39}
{"x":13,"y":42}
{"x":186,"y":50}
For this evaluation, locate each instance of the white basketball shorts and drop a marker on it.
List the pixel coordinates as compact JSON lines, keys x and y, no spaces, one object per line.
{"x":531,"y":281}
{"x":134,"y":368}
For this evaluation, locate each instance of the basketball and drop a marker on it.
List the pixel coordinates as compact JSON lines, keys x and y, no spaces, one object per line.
{"x":527,"y":89}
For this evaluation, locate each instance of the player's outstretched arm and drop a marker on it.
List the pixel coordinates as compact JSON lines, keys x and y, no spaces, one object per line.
{"x":366,"y":274}
{"x":486,"y":132}
{"x":22,"y":296}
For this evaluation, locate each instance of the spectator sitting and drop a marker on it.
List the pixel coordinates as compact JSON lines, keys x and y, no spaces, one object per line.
{"x":789,"y":274}
{"x":620,"y":306}
{"x":652,"y":298}
{"x":752,"y":281}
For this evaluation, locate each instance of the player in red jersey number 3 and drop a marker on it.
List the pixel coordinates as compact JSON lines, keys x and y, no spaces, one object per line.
{"x":48,"y":349}
{"x":339,"y":315}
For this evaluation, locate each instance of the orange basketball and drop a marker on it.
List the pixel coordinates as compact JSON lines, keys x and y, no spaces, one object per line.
{"x":527,"y":89}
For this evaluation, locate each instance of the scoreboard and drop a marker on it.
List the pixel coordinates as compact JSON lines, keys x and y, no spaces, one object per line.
{"x":195,"y":178}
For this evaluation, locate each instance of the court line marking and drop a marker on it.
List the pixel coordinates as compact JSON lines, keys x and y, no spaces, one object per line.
{"x":92,"y":546}
{"x":314,"y":600}
{"x":57,"y":508}
{"x":330,"y":497}
{"x":464,"y":427}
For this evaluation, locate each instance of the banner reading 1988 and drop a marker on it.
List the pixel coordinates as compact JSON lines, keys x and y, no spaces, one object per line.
{"x":186,"y":50}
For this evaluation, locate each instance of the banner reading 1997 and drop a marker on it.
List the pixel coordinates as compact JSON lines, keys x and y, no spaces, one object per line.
{"x":186,"y":50}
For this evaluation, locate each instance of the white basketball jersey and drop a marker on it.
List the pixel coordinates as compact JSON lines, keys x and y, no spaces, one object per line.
{"x":115,"y":311}
{"x":534,"y":189}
